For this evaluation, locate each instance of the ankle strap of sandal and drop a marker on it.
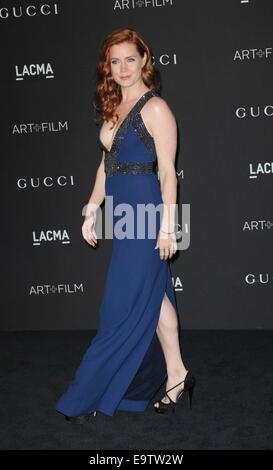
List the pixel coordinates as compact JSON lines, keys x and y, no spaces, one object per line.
{"x":177,"y":384}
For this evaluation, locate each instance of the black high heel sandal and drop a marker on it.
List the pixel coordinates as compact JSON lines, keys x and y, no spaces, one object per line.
{"x":81,"y":419}
{"x":189,"y":384}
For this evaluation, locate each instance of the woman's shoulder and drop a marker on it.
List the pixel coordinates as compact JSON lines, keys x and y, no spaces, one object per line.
{"x":156,"y":99}
{"x":157,"y":106}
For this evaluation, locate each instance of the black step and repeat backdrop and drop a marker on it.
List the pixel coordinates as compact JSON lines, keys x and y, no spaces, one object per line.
{"x":215,"y":61}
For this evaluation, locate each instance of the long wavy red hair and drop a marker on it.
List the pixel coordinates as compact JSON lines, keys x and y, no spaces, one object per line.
{"x":108,"y":93}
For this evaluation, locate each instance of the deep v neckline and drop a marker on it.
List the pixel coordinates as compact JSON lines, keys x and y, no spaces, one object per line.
{"x":122,"y":122}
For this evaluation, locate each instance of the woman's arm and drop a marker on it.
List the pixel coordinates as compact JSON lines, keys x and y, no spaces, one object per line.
{"x":164,"y":130}
{"x":98,"y":193}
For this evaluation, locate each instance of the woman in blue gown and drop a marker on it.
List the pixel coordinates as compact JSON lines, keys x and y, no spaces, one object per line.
{"x":126,"y":362}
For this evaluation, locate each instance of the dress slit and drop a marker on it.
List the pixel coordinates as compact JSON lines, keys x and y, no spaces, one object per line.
{"x":152,"y":372}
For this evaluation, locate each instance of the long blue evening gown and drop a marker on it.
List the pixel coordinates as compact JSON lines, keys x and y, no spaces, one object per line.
{"x":124,"y":365}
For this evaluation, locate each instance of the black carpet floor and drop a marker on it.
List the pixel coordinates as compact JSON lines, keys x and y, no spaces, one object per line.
{"x":232,"y":404}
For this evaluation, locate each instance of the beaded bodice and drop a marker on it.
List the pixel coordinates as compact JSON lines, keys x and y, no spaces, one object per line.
{"x":131,"y":157}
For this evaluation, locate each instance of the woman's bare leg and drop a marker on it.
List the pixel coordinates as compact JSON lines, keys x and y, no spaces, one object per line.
{"x":167,"y":332}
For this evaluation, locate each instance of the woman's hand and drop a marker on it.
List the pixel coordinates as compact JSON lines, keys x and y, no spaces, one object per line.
{"x":88,"y":229}
{"x":167,"y":244}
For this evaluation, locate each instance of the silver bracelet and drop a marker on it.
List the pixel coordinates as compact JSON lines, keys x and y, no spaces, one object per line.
{"x":167,"y":232}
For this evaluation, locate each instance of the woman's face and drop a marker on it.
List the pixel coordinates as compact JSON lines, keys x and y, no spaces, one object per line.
{"x":126,"y":64}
